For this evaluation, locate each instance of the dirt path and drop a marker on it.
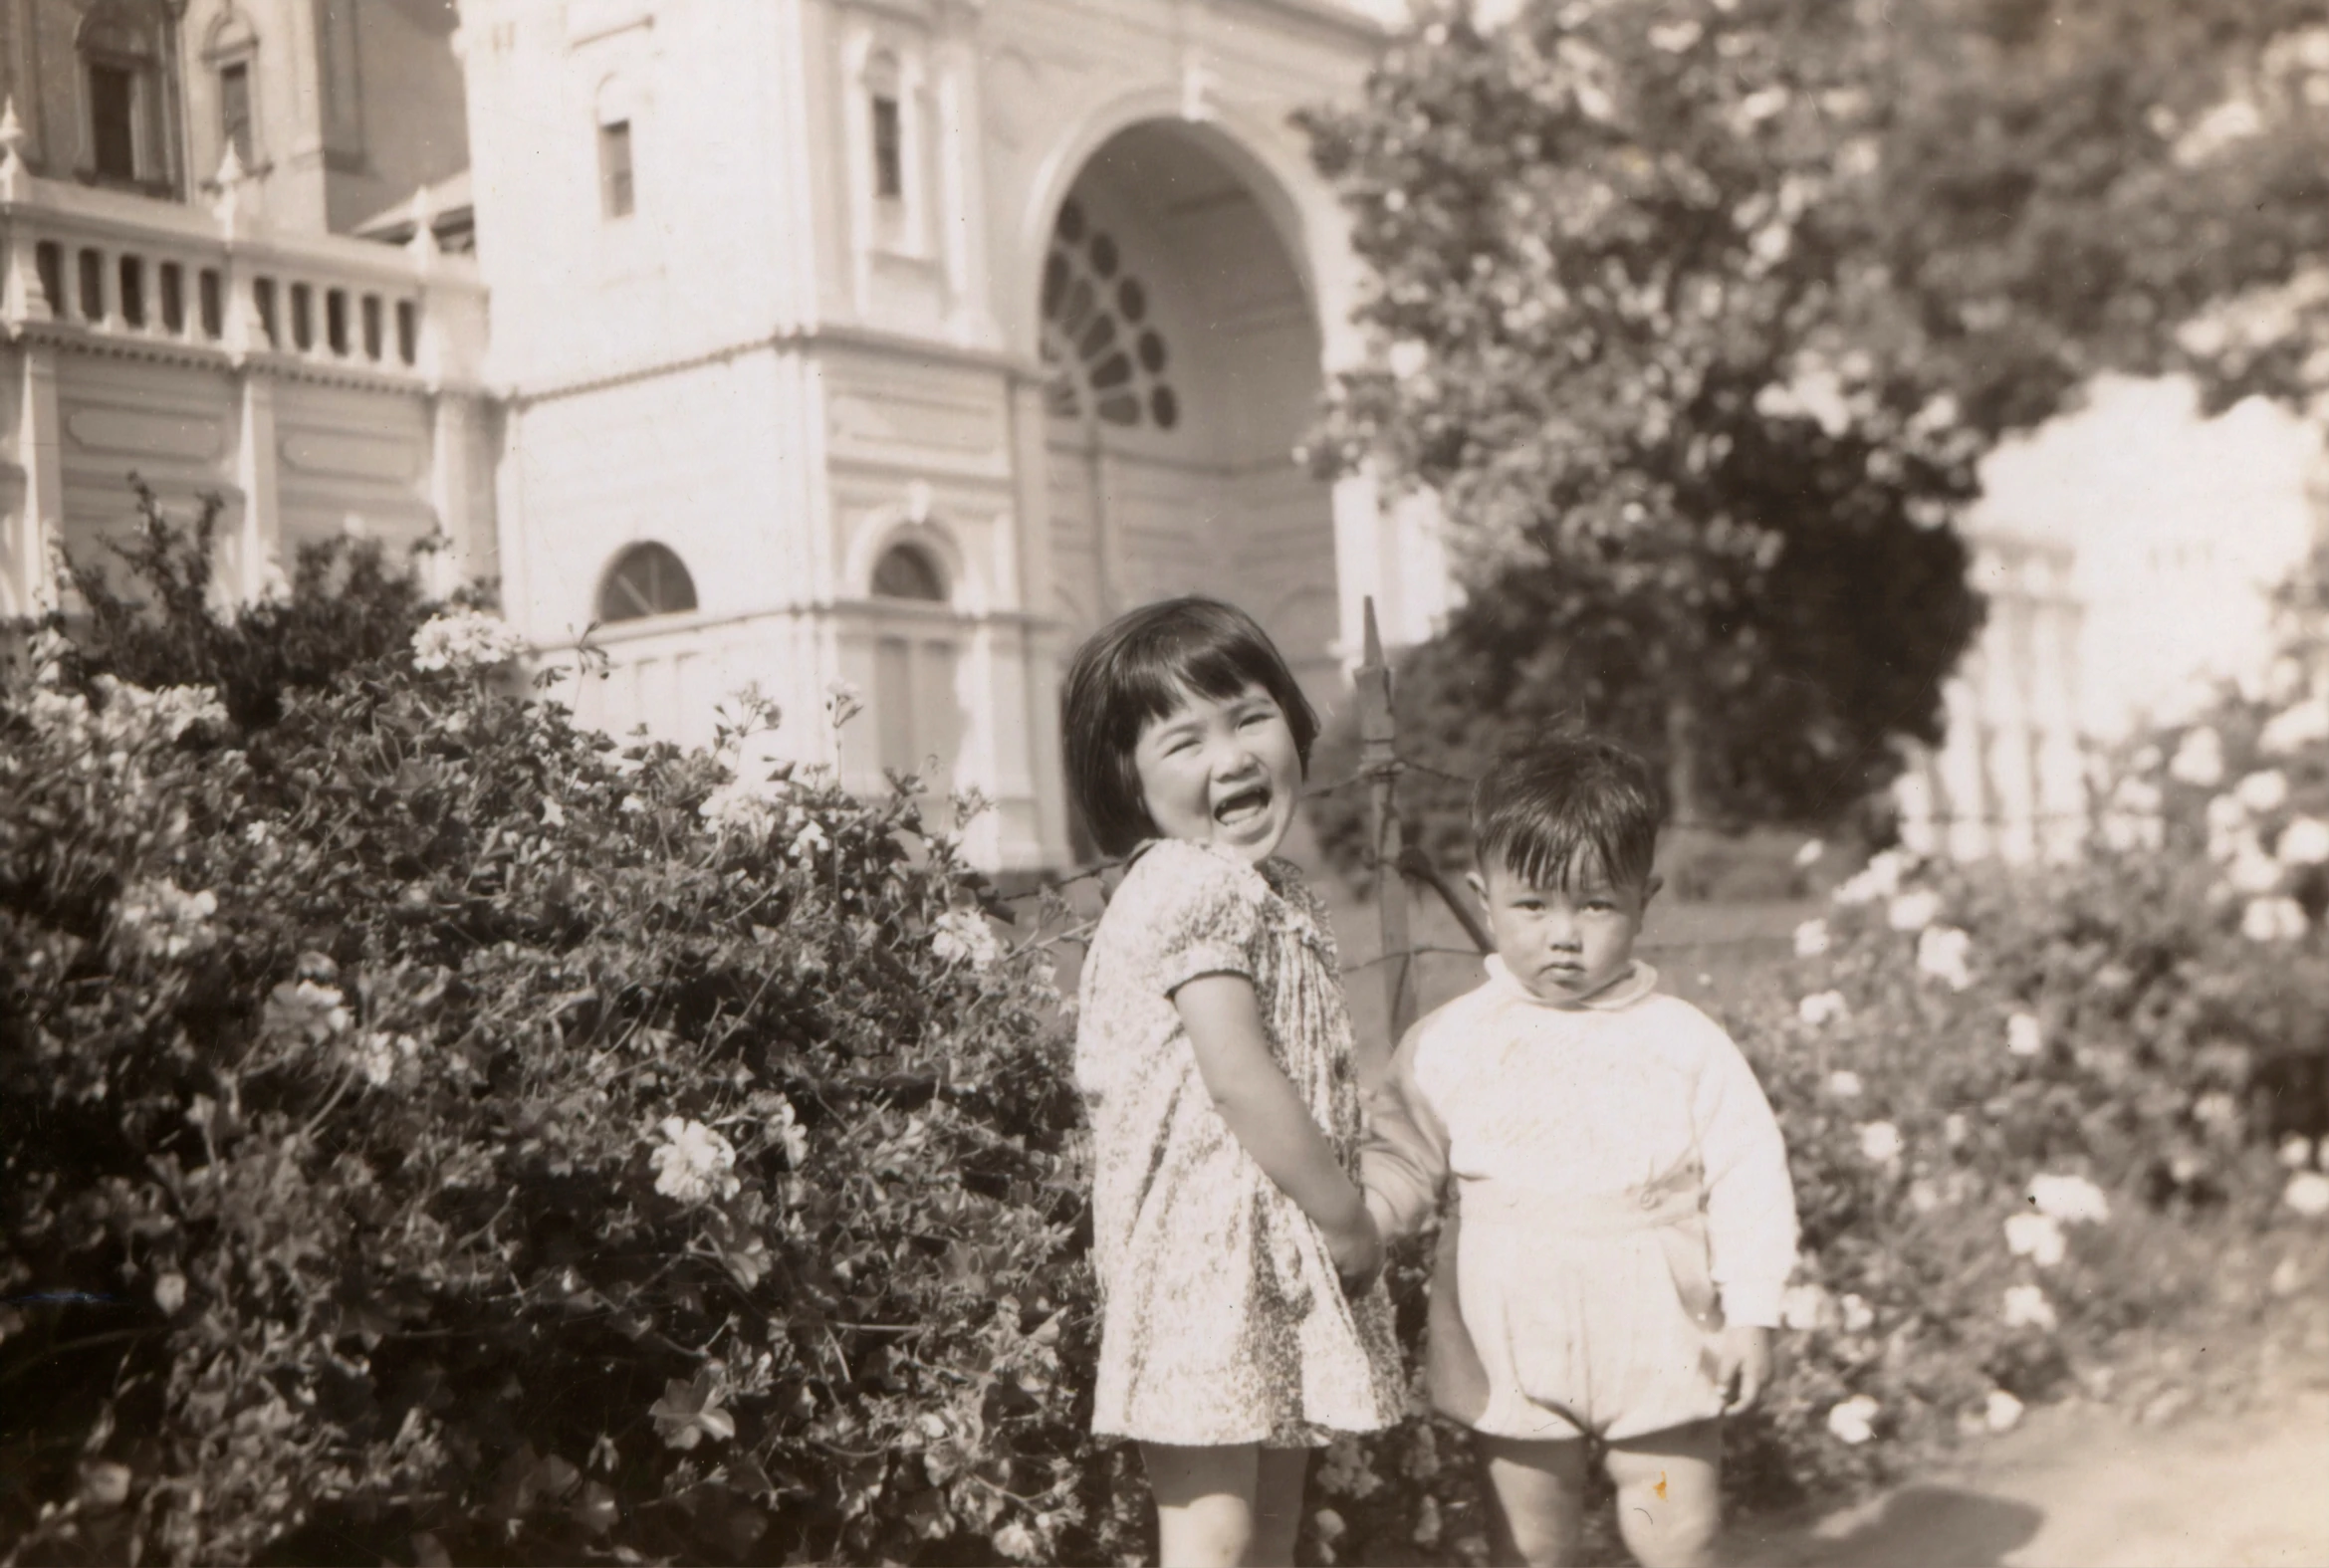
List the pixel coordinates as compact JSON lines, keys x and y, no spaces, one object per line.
{"x":2080,"y":1488}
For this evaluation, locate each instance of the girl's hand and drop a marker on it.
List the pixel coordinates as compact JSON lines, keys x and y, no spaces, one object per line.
{"x":1745,"y":1364}
{"x":1357,"y":1251}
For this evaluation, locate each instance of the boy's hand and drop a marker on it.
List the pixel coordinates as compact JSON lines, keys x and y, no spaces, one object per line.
{"x":1745,"y":1364}
{"x":1357,"y":1251}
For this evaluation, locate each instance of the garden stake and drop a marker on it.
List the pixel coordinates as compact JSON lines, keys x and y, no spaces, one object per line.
{"x":1378,"y":764}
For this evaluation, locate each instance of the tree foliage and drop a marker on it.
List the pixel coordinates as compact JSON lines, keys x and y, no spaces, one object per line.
{"x":1691,"y":441}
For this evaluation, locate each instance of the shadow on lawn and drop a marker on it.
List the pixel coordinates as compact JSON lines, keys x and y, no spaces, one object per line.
{"x":1923,"y":1526}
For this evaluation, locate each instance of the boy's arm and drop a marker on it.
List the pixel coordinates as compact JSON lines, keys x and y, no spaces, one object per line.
{"x":1403,"y":1160}
{"x":1751,"y":1201}
{"x":1269,"y":1119}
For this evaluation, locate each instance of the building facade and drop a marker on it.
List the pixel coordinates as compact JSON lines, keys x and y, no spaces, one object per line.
{"x":900,"y":343}
{"x":180,"y":294}
{"x":894,"y":343}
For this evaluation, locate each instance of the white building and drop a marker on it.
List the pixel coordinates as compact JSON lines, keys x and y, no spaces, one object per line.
{"x":895,"y":341}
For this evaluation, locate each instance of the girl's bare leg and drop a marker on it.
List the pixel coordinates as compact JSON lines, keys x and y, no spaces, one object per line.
{"x":1277,"y":1505}
{"x":1536,"y":1490}
{"x":1205,"y":1497}
{"x":1670,"y":1495}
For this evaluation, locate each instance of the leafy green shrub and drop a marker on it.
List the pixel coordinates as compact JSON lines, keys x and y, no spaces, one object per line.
{"x":426,"y":1128}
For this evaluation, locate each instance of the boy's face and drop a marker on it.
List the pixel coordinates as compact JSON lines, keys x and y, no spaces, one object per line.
{"x":1567,"y":942}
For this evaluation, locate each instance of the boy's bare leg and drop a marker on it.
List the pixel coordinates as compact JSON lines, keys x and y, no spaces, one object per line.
{"x":1277,"y":1505}
{"x":1536,"y":1495}
{"x":1205,"y":1516}
{"x":1670,"y":1495}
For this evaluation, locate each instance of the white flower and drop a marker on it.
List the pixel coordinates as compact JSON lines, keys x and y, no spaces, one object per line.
{"x":1809,"y":853}
{"x":2308,"y":1193}
{"x":2026,"y":1306}
{"x":964,"y":937}
{"x":1017,"y":1543}
{"x":1674,"y":37}
{"x":377,"y":1056}
{"x":465,"y":640}
{"x":2299,"y":725}
{"x":1880,"y":879}
{"x":1914,"y":911}
{"x":2125,"y":833}
{"x":693,"y":1163}
{"x":1941,"y":952}
{"x":2252,"y":871}
{"x":2072,"y":1200}
{"x":2038,"y":1237}
{"x":2304,"y":842}
{"x":170,"y":1292}
{"x":1844,"y":1085}
{"x":2002,"y":1412}
{"x":1408,"y":358}
{"x":2135,"y":794}
{"x":1853,"y":1420}
{"x":2024,"y":1036}
{"x":810,"y":843}
{"x":1811,"y":939}
{"x":1803,"y":1307}
{"x":2217,"y":1111}
{"x":2273,"y":920}
{"x":2199,"y":760}
{"x":1954,"y":1128}
{"x":326,"y":1000}
{"x":1821,"y":1008}
{"x":2296,"y":1152}
{"x":791,"y":1135}
{"x":1881,"y":1142}
{"x":2263,"y":791}
{"x":736,"y":806}
{"x":162,"y":920}
{"x":1859,"y":1316}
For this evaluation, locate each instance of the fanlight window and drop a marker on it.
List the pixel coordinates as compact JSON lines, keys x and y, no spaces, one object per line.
{"x":645,"y":580}
{"x":904,"y":573}
{"x":1096,"y":335}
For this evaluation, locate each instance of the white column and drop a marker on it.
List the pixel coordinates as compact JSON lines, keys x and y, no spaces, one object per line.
{"x":450,"y":484}
{"x":39,"y":524}
{"x":259,"y":542}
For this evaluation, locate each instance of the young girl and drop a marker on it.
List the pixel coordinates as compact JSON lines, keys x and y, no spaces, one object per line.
{"x":1241,"y":1322}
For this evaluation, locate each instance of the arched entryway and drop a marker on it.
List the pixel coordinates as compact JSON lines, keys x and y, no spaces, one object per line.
{"x":1184,"y":348}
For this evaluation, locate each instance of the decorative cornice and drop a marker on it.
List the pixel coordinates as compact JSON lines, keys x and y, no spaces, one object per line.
{"x":922,"y":350}
{"x":211,"y":356}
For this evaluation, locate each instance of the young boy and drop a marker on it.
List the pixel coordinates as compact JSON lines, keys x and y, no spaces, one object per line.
{"x":1628,"y":1224}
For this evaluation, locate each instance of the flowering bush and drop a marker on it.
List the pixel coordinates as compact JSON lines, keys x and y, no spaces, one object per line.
{"x":432,"y":1130}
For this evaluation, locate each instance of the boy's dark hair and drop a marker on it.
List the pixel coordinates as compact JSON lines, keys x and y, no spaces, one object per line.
{"x":1134,"y":670}
{"x":1553,"y":808}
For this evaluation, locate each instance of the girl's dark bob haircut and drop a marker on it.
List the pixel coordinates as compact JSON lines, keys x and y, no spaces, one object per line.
{"x":1136,"y":669}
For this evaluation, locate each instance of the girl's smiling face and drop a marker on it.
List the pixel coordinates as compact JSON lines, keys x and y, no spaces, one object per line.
{"x":1220,"y":770}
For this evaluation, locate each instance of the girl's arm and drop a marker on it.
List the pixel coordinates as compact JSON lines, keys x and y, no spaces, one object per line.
{"x":1404,"y":1161}
{"x":1268,"y":1117}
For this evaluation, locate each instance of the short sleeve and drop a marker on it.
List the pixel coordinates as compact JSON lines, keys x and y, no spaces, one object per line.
{"x":1199,"y":912}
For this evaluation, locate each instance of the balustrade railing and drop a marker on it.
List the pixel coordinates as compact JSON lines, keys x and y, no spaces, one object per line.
{"x":131,"y":269}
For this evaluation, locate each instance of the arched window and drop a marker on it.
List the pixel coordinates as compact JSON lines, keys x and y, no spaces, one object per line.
{"x":906,"y":572}
{"x":1104,"y":350}
{"x":645,"y":580}
{"x":125,"y":120}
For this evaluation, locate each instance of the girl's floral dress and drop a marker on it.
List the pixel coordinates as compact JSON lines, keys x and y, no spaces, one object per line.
{"x":1223,"y":1318}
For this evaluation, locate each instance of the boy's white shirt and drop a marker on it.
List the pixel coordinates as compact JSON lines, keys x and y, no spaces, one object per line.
{"x":1466,"y":1064}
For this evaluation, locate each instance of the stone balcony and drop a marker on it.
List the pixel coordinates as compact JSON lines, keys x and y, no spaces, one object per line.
{"x":318,"y":382}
